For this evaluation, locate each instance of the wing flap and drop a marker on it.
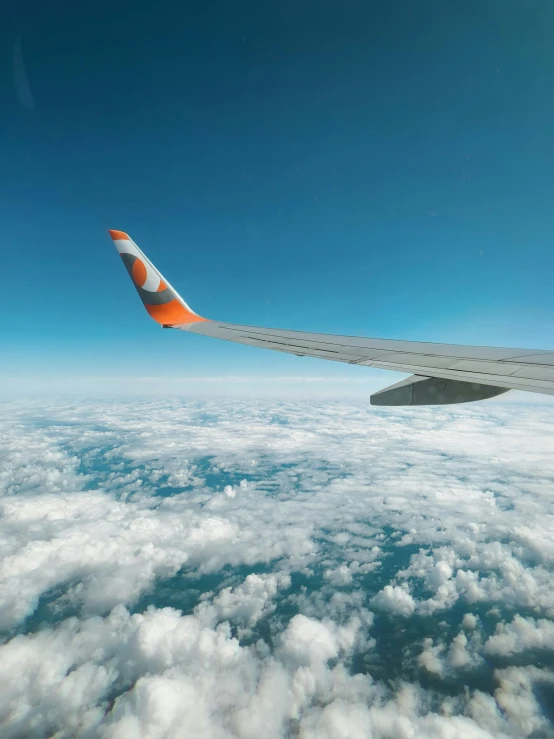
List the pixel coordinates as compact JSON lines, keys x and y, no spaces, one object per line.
{"x":486,"y":368}
{"x":536,"y":373}
{"x":423,"y":360}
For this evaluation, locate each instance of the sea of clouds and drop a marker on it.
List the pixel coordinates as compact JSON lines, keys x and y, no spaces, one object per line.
{"x":253,"y":568}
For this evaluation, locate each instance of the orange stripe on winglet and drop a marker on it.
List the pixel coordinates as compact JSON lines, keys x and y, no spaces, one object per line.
{"x":161,"y":286}
{"x":116,"y":235}
{"x":172,"y":314}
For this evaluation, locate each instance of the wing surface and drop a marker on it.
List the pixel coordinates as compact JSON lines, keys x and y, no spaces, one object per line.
{"x":518,"y":369}
{"x":492,"y":367}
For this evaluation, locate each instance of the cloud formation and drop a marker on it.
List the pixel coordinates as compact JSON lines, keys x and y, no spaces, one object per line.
{"x":258,"y":568}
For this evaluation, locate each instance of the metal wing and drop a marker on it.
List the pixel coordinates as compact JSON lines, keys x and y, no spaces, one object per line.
{"x":443,"y":373}
{"x":518,"y":369}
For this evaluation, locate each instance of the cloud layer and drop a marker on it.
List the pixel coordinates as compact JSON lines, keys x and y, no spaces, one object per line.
{"x":257,"y":568}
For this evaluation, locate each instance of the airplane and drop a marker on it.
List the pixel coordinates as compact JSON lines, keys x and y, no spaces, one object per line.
{"x":442,"y":374}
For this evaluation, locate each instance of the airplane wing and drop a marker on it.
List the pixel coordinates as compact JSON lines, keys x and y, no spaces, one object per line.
{"x":441,"y":373}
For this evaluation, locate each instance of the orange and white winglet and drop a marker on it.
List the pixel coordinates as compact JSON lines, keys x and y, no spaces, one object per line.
{"x":163,"y":303}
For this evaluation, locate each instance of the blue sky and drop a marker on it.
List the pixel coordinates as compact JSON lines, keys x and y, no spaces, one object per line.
{"x":358,"y":168}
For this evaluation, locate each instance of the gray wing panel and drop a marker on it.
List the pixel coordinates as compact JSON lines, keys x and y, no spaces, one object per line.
{"x":523,"y":369}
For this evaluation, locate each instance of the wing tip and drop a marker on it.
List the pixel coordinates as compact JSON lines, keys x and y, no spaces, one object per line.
{"x":161,"y":301}
{"x":119,"y":235}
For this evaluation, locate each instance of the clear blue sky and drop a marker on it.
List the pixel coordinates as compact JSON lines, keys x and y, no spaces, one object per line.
{"x":383,"y":169}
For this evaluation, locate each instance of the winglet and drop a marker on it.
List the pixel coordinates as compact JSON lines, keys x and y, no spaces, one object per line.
{"x":163,"y":303}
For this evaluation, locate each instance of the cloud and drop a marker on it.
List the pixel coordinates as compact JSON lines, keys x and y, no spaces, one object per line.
{"x":245,"y":604}
{"x":521,"y":635}
{"x":176,"y":676}
{"x":395,"y":600}
{"x":307,"y":641}
{"x":430,"y":657}
{"x":516,"y":696}
{"x":469,"y":621}
{"x":265,"y":533}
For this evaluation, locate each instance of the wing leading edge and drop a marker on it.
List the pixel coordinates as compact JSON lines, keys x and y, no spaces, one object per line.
{"x":442,"y":373}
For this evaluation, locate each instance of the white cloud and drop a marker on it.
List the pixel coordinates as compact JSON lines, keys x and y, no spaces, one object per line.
{"x":344,"y":574}
{"x":307,"y":641}
{"x":470,"y":621}
{"x":178,"y":677}
{"x":411,"y":513}
{"x":516,"y":696}
{"x":113,"y":550}
{"x":461,"y":653}
{"x":395,"y":600}
{"x":245,"y":604}
{"x":431,"y":657}
{"x":521,"y":635}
